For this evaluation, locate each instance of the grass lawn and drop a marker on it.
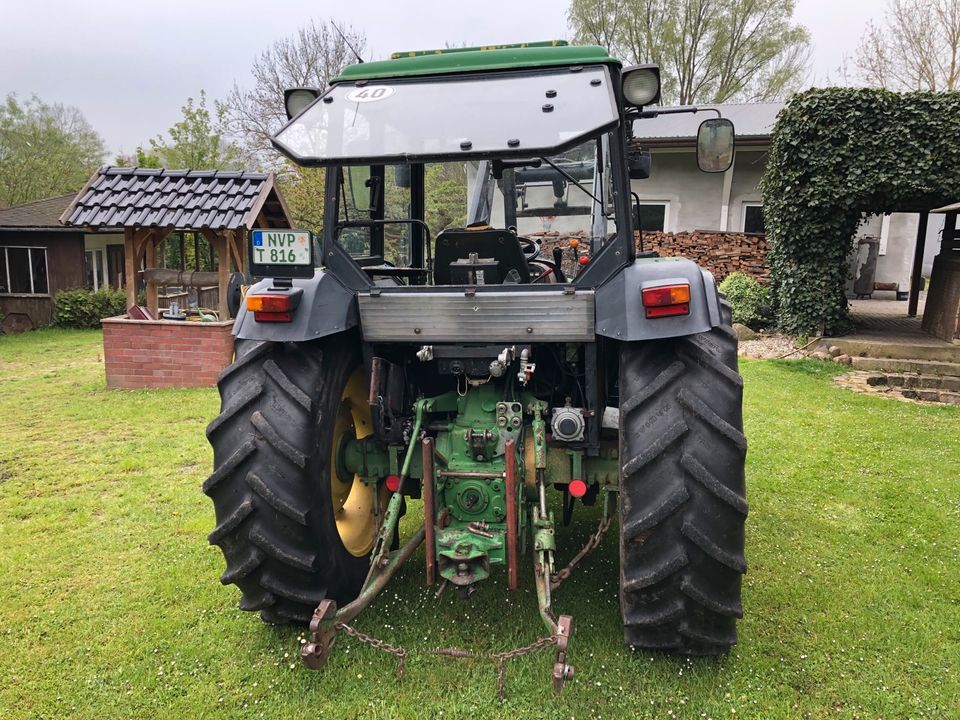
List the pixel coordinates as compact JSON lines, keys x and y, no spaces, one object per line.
{"x":110,"y":605}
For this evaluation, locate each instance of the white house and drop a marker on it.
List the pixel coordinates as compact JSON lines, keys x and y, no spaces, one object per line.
{"x":678,"y":197}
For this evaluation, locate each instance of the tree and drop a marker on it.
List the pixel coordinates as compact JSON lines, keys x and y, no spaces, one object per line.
{"x":708,"y":50}
{"x":917,"y":48}
{"x":303,"y":189}
{"x":446,"y":196}
{"x":310,"y":58}
{"x":45,"y":150}
{"x":197,"y":142}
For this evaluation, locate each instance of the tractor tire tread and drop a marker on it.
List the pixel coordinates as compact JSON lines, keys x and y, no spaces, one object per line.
{"x":274,"y":524}
{"x":683,"y":502}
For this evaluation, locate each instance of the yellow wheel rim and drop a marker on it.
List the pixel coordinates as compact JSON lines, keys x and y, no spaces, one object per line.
{"x":353,"y":500}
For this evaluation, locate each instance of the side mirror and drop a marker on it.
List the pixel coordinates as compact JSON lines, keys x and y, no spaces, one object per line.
{"x":715,"y":145}
{"x":401,"y":175}
{"x":639,"y":164}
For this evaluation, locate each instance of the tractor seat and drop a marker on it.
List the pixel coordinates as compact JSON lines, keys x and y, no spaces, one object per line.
{"x":456,"y":244}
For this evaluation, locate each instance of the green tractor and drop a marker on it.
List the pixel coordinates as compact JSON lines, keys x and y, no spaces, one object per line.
{"x":474,"y":368}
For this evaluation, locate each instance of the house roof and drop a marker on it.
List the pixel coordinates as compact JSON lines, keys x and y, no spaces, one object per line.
{"x":185,"y":199}
{"x":751,"y":121}
{"x":36,"y":215}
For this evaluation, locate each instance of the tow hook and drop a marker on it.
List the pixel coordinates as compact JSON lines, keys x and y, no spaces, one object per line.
{"x":323,"y":631}
{"x":561,"y":671}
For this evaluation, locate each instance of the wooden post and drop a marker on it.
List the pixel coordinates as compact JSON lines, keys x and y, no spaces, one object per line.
{"x":219,"y":242}
{"x":223,"y":255}
{"x":153,"y":304}
{"x":916,"y":277}
{"x":240,"y":239}
{"x":234,"y":240}
{"x":130,"y":267}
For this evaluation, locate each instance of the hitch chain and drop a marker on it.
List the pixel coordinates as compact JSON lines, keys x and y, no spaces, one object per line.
{"x":395,"y":650}
{"x":592,"y":543}
{"x":316,"y":651}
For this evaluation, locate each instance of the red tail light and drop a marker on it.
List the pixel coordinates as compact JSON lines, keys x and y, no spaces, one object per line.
{"x":577,"y":488}
{"x":666,"y":300}
{"x":271,"y":308}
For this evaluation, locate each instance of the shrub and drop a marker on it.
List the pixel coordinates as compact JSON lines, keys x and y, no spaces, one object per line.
{"x":85,"y":308}
{"x":748,"y":298}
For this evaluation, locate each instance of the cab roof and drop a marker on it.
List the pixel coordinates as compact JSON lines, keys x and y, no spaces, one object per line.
{"x":474,"y":60}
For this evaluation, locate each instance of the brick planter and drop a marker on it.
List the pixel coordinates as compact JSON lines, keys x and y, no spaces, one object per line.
{"x":158,"y":354}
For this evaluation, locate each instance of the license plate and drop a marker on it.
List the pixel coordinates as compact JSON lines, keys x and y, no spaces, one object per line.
{"x":281,"y":247}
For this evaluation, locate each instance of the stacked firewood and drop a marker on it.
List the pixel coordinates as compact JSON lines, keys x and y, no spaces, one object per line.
{"x":722,"y":253}
{"x":550,"y":239}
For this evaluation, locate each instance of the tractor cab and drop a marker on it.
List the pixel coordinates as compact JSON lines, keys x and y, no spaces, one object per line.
{"x":513,"y":145}
{"x":449,"y":168}
{"x":476,"y":222}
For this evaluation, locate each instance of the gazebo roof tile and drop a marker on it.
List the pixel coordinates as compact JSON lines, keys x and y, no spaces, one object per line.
{"x":183,"y":199}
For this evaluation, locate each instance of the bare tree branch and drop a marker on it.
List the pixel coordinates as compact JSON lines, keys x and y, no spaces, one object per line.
{"x":709,"y":50}
{"x":916,"y":48}
{"x":310,"y":58}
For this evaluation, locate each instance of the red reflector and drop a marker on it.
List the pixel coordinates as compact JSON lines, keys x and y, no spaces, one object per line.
{"x":577,"y":488}
{"x":393,"y":483}
{"x":269,"y":303}
{"x":273,"y":316}
{"x":666,"y":311}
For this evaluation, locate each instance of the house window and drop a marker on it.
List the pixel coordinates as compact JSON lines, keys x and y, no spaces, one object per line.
{"x":23,"y":271}
{"x":94,"y":270}
{"x":753,"y":218}
{"x":654,"y":215}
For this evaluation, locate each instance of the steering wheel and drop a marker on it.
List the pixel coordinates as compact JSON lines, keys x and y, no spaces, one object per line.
{"x":530,"y":248}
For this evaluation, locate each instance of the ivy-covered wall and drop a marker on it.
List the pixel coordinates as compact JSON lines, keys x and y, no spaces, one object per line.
{"x":835,"y":154}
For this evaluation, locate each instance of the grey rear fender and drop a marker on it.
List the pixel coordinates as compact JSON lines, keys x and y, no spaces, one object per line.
{"x":326,"y":307}
{"x":619,"y":308}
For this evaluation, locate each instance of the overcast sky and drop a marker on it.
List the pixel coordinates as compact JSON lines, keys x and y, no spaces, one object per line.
{"x":130,"y":65}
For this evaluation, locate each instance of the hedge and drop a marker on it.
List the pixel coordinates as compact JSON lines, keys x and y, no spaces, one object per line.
{"x":836,"y":154}
{"x":85,"y":308}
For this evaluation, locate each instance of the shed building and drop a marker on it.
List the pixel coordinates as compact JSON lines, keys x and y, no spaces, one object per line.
{"x":39,"y":257}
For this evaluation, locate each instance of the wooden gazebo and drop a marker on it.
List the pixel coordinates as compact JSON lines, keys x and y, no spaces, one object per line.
{"x":149,"y":204}
{"x":147,"y":350}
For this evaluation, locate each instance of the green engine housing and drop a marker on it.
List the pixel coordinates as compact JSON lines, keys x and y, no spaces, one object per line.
{"x":470,"y":482}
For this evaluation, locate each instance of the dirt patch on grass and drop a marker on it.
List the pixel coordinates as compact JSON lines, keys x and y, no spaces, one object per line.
{"x":769,"y":345}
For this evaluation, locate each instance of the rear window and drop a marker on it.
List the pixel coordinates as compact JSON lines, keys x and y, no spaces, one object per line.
{"x":521,"y":113}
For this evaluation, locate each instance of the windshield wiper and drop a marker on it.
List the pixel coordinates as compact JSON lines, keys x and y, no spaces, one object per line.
{"x":570,"y":178}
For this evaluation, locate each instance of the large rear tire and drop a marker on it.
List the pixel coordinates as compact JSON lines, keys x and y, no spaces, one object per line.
{"x":683,"y":504}
{"x":292,"y":529}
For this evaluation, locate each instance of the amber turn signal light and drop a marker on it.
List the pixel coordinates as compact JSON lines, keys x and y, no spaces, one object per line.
{"x":268,"y":303}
